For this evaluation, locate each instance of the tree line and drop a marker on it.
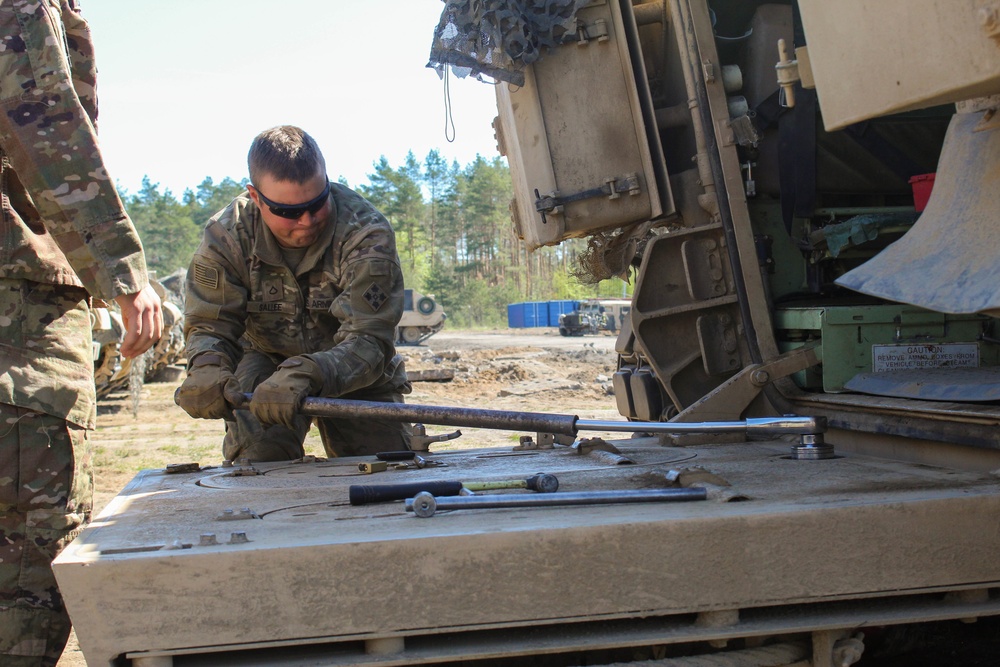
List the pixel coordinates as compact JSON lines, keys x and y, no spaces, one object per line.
{"x":453,"y":232}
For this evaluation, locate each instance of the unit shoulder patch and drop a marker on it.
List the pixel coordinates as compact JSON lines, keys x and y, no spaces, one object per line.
{"x":375,"y":296}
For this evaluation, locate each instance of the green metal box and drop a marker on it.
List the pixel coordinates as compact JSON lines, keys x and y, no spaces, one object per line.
{"x":865,"y":339}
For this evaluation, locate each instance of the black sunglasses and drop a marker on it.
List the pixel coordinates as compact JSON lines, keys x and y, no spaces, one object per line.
{"x":295,"y":211}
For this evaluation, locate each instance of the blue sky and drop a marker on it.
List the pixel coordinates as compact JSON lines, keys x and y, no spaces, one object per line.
{"x":185,"y":85}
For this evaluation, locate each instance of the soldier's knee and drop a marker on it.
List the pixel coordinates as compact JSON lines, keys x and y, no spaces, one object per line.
{"x":276,"y":443}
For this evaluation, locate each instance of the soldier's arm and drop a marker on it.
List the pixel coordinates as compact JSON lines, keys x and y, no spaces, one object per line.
{"x":369,"y":308}
{"x":215,"y":306}
{"x":82,"y":63}
{"x":49,"y":138}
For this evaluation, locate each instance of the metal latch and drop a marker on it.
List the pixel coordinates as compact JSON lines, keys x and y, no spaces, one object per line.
{"x":613,"y":188}
{"x":598,"y":30}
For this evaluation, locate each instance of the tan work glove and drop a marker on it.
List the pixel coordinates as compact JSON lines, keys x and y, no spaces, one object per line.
{"x":278,"y":398}
{"x":211,"y":391}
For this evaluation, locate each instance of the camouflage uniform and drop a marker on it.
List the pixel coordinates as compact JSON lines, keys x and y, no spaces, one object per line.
{"x":69,"y":239}
{"x":339,"y":307}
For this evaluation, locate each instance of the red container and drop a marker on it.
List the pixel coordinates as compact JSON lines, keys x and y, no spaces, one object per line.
{"x":922,"y":186}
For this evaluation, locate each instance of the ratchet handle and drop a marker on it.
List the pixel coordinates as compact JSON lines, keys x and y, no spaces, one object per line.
{"x":362,"y":494}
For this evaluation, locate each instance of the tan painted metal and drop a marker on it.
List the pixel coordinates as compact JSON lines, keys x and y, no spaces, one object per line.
{"x":315,"y":570}
{"x":875,"y":58}
{"x":689,"y":332}
{"x":731,"y":399}
{"x":576,"y":124}
{"x":742,"y":231}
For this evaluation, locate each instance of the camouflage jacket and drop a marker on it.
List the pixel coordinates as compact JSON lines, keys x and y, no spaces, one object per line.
{"x":339,"y":307}
{"x":72,"y":229}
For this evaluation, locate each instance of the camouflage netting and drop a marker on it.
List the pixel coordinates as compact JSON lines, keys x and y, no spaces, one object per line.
{"x":610,"y":254}
{"x":498,"y":38}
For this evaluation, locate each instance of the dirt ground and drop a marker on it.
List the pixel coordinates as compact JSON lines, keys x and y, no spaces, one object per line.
{"x":533,"y":370}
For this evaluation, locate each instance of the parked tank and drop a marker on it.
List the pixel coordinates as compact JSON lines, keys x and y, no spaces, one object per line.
{"x":422,"y":318}
{"x":857,"y":430}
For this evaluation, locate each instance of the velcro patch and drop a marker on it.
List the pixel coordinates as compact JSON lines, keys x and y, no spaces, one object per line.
{"x":375,"y":296}
{"x":273,"y":289}
{"x":206,"y":276}
{"x":270,"y":307}
{"x":319,"y":304}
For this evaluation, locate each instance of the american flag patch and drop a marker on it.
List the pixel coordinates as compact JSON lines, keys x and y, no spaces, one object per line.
{"x":206,"y":276}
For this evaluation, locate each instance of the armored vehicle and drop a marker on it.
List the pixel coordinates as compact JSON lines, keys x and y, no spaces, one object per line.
{"x":587,"y":318}
{"x":592,"y":316}
{"x":422,"y":318}
{"x":810,"y":362}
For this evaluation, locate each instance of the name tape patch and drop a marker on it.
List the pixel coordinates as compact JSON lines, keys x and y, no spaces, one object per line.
{"x":270,"y":307}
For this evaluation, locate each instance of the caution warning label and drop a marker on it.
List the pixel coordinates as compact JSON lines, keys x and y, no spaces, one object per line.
{"x":945,"y":355}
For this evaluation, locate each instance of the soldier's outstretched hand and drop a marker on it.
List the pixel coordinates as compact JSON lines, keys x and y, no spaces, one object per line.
{"x":143,"y":318}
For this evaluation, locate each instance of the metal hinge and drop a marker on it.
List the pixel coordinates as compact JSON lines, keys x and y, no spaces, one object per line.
{"x":613,"y":188}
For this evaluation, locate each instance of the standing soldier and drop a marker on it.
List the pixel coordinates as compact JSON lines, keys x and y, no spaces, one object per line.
{"x":295,"y":291}
{"x":66,"y":236}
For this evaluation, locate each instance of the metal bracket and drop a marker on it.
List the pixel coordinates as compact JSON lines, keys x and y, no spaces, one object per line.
{"x":731,"y":399}
{"x":178,"y":468}
{"x":526,"y":442}
{"x":421,"y":442}
{"x":613,"y":188}
{"x":788,"y":75}
{"x":708,"y":70}
{"x":245,"y":469}
{"x":597,"y":30}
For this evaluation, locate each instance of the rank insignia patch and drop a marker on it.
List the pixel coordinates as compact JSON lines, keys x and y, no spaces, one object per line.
{"x":375,"y":296}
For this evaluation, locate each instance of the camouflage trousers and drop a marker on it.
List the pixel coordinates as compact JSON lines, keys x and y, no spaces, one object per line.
{"x":46,"y":491}
{"x":247,"y":438}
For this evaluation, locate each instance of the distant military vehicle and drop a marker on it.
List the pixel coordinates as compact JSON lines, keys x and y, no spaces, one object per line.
{"x":107,"y":332}
{"x":111,"y":370}
{"x":584,"y":320}
{"x":422,"y":318}
{"x":593,"y":316}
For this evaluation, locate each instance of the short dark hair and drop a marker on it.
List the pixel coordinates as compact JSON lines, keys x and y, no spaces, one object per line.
{"x":286,"y":153}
